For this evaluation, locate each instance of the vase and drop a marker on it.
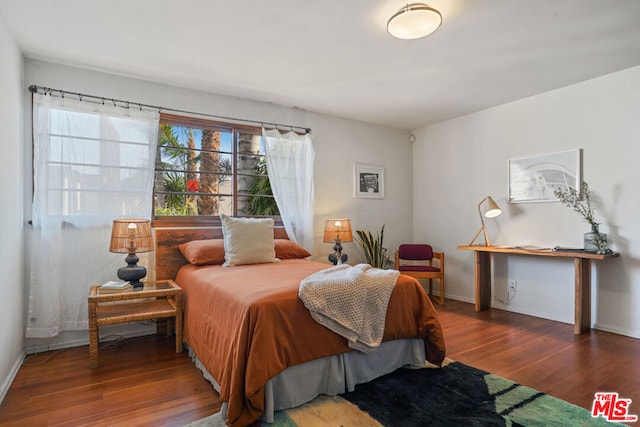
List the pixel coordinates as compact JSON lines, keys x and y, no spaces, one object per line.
{"x":595,"y":240}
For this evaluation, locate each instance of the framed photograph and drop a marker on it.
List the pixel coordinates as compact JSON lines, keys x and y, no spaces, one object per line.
{"x":368,"y":181}
{"x":534,"y":179}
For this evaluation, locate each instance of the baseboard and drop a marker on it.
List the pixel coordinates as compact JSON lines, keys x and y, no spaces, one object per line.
{"x":614,"y":330}
{"x":6,"y":385}
{"x":543,"y":315}
{"x":459,"y":298}
{"x":597,"y":326}
{"x":505,"y":307}
{"x":80,"y":338}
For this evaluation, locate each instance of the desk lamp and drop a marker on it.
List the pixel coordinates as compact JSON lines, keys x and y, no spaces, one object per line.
{"x":492,"y":211}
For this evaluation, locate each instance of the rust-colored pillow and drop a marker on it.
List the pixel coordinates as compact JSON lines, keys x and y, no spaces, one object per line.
{"x":211,"y":251}
{"x":286,"y":249}
{"x":203,"y":252}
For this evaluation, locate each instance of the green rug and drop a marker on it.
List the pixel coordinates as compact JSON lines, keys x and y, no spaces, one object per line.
{"x":456,"y":395}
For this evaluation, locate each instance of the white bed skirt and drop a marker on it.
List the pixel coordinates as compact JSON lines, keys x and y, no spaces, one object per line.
{"x":332,"y":375}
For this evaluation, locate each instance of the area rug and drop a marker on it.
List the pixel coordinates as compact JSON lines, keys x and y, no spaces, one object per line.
{"x":455,"y":395}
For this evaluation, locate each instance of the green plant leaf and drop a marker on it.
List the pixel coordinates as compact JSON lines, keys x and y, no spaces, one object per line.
{"x":374,"y":252}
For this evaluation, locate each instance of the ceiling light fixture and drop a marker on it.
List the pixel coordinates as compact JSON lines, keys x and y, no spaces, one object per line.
{"x":413,"y":21}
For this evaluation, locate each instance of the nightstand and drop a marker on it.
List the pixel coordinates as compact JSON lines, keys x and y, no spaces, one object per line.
{"x":155,"y":300}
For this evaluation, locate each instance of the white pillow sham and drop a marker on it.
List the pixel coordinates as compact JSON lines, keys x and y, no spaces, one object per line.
{"x":247,"y":241}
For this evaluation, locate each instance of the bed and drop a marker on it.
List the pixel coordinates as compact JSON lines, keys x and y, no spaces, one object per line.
{"x":249,"y":332}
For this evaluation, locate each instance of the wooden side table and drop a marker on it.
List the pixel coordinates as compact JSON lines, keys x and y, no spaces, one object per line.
{"x":155,"y":300}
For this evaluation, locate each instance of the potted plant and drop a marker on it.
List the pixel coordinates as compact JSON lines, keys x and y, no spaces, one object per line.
{"x":374,"y":253}
{"x":580,"y":201}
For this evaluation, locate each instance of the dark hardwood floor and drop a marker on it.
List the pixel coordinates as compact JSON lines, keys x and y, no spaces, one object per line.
{"x":144,"y":383}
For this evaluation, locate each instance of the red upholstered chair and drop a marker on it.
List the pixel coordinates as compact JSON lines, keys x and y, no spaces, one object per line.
{"x":421,"y":265}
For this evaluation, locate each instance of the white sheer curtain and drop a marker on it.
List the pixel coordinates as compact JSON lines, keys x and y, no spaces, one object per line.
{"x":290,"y":165}
{"x":92,"y":163}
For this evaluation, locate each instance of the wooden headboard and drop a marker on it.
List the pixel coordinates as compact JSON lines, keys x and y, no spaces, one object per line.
{"x":169,"y":259}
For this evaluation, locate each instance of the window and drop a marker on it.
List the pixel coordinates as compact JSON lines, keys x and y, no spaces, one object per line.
{"x":205,"y":168}
{"x":91,"y":161}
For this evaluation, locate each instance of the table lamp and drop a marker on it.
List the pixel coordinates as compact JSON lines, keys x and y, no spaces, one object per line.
{"x":131,"y":236}
{"x":338,"y":231}
{"x":492,"y":211}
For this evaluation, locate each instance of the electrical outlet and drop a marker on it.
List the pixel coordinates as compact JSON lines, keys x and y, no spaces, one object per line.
{"x":513,"y":285}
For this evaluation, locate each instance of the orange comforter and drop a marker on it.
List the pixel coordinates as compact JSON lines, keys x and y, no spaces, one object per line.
{"x":246,"y":324}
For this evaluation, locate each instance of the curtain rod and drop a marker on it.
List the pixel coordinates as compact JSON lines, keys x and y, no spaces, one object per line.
{"x":129,"y":104}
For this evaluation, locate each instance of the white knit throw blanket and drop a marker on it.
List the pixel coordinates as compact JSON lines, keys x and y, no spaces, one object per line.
{"x":352,"y":301}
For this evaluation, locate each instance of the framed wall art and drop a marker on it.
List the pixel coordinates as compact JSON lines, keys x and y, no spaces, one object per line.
{"x":368,"y":181}
{"x":534,"y":179}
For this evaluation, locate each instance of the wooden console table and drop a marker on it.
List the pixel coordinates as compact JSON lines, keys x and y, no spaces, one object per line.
{"x":582,"y":262}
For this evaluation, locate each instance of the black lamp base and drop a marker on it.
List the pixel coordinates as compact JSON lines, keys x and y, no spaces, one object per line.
{"x":133,"y":272}
{"x":337,"y":255}
{"x":334,"y":258}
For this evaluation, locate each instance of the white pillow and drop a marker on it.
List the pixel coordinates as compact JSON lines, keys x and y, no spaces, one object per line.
{"x":247,"y":240}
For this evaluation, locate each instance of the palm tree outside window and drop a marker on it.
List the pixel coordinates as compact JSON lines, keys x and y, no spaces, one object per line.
{"x":206,"y":168}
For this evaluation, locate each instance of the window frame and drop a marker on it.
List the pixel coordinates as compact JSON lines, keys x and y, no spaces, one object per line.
{"x":218,"y":126}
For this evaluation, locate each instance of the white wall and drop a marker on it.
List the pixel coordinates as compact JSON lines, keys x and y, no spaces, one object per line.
{"x":458,"y":162}
{"x":12,"y":190}
{"x":338,"y":143}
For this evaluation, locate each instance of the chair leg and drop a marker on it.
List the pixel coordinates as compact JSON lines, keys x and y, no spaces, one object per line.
{"x":439,"y":301}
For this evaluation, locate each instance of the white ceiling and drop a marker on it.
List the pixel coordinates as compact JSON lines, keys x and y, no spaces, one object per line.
{"x":335,"y":56}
